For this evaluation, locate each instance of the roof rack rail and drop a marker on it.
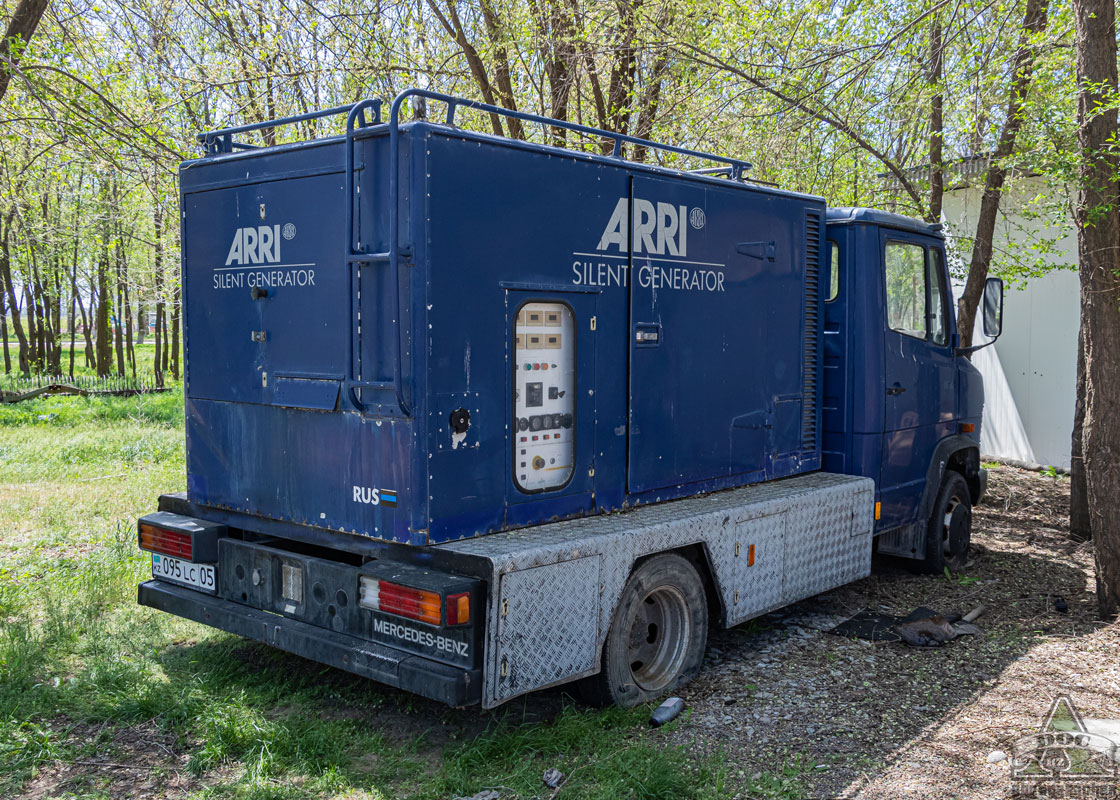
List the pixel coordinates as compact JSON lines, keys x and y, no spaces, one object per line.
{"x":222,"y":140}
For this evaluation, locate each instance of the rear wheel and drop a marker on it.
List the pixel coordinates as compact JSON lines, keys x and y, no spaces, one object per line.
{"x":657,"y":635}
{"x":950,"y":527}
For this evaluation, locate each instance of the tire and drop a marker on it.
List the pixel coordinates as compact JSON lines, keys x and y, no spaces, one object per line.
{"x":657,"y":636}
{"x":950,"y":527}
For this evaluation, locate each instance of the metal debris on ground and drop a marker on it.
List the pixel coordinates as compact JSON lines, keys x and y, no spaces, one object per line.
{"x":552,"y":778}
{"x":17,"y":389}
{"x":922,"y":627}
{"x":666,"y":712}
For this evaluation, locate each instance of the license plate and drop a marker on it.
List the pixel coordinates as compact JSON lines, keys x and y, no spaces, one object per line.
{"x":199,"y":576}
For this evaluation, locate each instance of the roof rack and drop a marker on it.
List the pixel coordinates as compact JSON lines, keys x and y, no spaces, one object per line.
{"x":222,"y":140}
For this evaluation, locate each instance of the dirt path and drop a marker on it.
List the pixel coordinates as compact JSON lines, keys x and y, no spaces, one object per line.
{"x":855,"y":719}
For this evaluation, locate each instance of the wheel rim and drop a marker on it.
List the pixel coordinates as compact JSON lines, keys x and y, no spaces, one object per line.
{"x":954,"y":537}
{"x":659,"y":635}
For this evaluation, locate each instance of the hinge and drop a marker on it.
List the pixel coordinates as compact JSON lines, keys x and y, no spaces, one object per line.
{"x":594,"y":320}
{"x":505,"y":607}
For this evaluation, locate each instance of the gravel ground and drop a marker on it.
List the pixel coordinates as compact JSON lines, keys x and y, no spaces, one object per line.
{"x":855,"y":719}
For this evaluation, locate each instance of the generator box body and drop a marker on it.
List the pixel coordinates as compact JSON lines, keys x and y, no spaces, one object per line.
{"x":549,"y":334}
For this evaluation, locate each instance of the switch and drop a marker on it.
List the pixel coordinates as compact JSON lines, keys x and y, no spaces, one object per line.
{"x":553,"y":392}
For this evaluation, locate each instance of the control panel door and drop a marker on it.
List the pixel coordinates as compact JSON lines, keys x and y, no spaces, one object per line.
{"x":918,"y":369}
{"x":552,"y":424}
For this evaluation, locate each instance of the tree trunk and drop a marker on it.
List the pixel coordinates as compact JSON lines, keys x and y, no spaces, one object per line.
{"x":936,"y":124}
{"x":166,"y":346}
{"x":56,"y":319}
{"x":1098,"y":246}
{"x":157,"y":269}
{"x":1079,"y":527}
{"x":130,"y":351}
{"x":1034,"y":21}
{"x":104,"y":302}
{"x":501,"y":67}
{"x":4,"y":327}
{"x":73,"y":325}
{"x":13,"y":306}
{"x":118,"y":321}
{"x":91,"y":361}
{"x":176,"y":307}
{"x":21,"y":27}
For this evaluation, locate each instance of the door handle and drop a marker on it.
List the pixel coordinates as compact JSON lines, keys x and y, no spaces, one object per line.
{"x":896,"y":389}
{"x":647,"y":334}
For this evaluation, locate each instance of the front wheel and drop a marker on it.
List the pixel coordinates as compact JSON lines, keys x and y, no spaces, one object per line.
{"x":657,"y":636}
{"x":950,"y":527}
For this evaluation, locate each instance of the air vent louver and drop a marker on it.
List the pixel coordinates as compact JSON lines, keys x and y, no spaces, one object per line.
{"x":811,"y":366}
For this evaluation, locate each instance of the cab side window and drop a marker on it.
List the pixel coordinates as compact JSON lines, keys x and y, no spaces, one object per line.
{"x":905,"y":265}
{"x":833,"y":272}
{"x":916,"y":291}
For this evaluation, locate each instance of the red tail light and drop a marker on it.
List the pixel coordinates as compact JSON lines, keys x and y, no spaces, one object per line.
{"x":169,"y":543}
{"x":403,"y":601}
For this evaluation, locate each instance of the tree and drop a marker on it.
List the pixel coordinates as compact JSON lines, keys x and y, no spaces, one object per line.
{"x":1098,"y":247}
{"x":1034,"y":21}
{"x":21,"y":27}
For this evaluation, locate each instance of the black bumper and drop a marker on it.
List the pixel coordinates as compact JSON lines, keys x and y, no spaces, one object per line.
{"x":455,"y":687}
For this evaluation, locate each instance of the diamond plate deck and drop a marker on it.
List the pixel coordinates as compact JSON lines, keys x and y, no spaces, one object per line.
{"x":810,"y":533}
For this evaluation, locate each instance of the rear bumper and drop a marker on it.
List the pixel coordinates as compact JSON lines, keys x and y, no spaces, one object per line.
{"x":455,"y":687}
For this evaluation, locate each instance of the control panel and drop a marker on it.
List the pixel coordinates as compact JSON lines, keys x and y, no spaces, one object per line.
{"x":544,"y":400}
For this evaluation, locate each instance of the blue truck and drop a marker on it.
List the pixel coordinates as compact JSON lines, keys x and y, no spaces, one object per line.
{"x":473,"y":416}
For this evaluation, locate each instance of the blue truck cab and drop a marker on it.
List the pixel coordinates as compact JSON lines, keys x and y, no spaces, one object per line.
{"x":474,"y":416}
{"x":902,"y":403}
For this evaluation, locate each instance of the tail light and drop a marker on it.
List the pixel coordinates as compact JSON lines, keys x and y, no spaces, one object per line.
{"x":178,"y":536}
{"x":403,"y":601}
{"x":458,"y":608}
{"x":167,"y":542}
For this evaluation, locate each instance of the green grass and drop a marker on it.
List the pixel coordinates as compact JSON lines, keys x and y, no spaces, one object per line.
{"x":87,"y":675}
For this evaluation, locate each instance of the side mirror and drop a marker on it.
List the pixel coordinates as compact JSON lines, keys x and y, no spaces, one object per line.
{"x":993,"y":307}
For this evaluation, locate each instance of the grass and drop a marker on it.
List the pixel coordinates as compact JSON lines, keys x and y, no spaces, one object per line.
{"x":87,"y":676}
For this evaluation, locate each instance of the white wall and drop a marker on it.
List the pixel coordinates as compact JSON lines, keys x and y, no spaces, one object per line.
{"x":1029,"y":408}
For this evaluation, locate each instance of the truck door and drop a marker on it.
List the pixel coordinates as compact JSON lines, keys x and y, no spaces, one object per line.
{"x":918,"y":368}
{"x":715,"y":349}
{"x":264,"y":275}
